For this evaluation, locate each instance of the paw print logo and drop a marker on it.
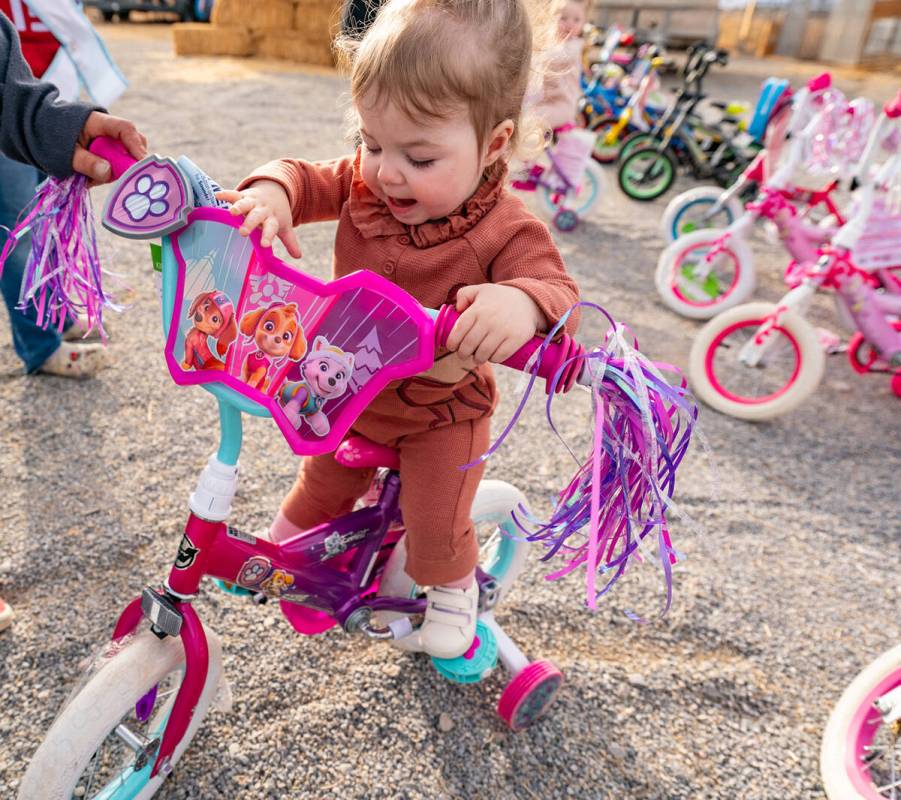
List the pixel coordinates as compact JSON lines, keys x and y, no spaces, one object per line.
{"x":254,"y":571}
{"x":147,"y":199}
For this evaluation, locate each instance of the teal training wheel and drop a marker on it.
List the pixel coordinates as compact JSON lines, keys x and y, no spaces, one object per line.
{"x":476,"y":663}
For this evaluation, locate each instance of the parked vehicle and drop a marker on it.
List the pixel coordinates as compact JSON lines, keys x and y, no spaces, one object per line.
{"x":187,"y":10}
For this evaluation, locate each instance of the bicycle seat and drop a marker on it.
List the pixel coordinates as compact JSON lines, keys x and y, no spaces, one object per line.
{"x":359,"y":452}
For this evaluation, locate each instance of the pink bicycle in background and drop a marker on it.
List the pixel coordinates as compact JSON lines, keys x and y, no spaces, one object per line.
{"x":135,"y":711}
{"x":759,"y":360}
{"x":705,"y":272}
{"x":571,"y":184}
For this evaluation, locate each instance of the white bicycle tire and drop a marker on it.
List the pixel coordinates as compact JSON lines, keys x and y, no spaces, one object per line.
{"x":834,"y":747}
{"x":810,"y":371}
{"x":739,"y":292}
{"x":493,"y":503}
{"x":91,"y":714}
{"x":681,"y":201}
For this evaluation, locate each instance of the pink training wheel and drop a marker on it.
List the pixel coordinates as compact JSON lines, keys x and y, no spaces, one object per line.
{"x":529,"y":694}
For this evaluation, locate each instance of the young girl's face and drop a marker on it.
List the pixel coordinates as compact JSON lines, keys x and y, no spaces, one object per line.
{"x":422,"y":170}
{"x":571,"y":21}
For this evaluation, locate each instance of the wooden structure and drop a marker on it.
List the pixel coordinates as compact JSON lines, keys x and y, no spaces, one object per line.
{"x":298,"y":30}
{"x":672,"y":23}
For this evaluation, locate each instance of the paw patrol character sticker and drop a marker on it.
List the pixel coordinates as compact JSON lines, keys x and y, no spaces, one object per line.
{"x":326,"y":373}
{"x":187,"y":553}
{"x":211,"y":315}
{"x":254,"y":571}
{"x":277,"y":583}
{"x":277,"y":334}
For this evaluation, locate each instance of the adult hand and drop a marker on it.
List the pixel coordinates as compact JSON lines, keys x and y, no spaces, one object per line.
{"x":100,"y":124}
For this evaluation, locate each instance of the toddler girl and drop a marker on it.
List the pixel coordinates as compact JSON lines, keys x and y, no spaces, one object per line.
{"x":437,"y":89}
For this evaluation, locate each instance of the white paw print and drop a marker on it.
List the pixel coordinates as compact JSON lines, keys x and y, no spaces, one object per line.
{"x":147,"y":199}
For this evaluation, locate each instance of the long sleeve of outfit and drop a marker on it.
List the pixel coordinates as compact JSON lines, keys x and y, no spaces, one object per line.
{"x":35,"y":127}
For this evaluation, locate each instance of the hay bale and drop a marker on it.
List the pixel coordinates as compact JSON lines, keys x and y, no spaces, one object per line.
{"x":294,"y":47}
{"x":200,"y":39}
{"x":317,"y":21}
{"x":256,"y":15}
{"x":228,"y":12}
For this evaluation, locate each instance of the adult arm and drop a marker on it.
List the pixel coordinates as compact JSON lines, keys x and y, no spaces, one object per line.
{"x":34,"y":126}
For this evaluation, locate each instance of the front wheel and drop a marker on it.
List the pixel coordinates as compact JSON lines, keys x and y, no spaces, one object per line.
{"x":104,"y":742}
{"x":604,"y":153}
{"x":690,"y":211}
{"x":698,"y":285}
{"x":632,"y":142}
{"x":646,"y":173}
{"x":860,"y":756}
{"x":581,"y":201}
{"x":787,"y":373}
{"x":502,"y":550}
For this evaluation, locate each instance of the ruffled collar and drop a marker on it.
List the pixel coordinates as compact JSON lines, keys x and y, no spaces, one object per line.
{"x":373,"y":218}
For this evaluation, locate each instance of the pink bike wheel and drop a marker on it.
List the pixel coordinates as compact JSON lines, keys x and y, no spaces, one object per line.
{"x":529,"y":695}
{"x":860,"y":756}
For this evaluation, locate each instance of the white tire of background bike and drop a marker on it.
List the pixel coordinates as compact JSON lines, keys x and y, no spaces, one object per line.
{"x":712,"y":193}
{"x":493,"y":503}
{"x":741,"y":291}
{"x":93,"y":713}
{"x":834,"y":748}
{"x":813,"y":363}
{"x":595,"y":175}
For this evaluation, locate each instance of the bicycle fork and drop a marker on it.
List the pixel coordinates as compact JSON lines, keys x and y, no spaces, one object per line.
{"x":170,"y":612}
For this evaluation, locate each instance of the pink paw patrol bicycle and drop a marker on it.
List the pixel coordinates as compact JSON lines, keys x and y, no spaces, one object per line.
{"x":147,"y":692}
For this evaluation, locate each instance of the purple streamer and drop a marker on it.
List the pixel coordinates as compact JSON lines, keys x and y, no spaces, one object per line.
{"x":63,"y":275}
{"x":620,"y":493}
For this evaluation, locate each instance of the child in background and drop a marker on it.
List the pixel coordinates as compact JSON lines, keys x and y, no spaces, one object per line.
{"x":563,"y":67}
{"x":437,"y":89}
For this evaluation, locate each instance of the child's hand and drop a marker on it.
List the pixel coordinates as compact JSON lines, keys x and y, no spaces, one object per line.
{"x":100,"y":124}
{"x":495,"y":322}
{"x":264,"y":205}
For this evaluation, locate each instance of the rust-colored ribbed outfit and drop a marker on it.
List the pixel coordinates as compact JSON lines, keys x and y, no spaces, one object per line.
{"x":439,"y":420}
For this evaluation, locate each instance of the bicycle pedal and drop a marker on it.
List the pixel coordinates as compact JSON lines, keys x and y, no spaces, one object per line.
{"x":476,"y":663}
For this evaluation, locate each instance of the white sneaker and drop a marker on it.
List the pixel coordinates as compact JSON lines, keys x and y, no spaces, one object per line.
{"x":75,"y":360}
{"x":450,"y":620}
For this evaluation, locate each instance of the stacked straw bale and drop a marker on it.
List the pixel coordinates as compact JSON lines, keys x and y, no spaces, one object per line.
{"x":297,"y":30}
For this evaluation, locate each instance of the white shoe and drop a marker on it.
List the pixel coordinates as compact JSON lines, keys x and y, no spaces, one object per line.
{"x":75,"y":360}
{"x":450,"y":620}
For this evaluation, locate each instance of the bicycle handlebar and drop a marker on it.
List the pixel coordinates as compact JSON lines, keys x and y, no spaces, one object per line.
{"x":115,"y":152}
{"x":558,"y":353}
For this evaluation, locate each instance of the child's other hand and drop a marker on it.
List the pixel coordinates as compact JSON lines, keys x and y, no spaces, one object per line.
{"x":265,"y":205}
{"x":495,"y":322}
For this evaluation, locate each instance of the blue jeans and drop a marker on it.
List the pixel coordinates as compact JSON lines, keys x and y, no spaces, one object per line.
{"x":33,"y":344}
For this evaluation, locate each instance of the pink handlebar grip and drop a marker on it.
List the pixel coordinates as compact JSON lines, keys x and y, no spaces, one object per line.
{"x":113,"y":151}
{"x":893,"y":107}
{"x":554,"y":356}
{"x":820,"y":82}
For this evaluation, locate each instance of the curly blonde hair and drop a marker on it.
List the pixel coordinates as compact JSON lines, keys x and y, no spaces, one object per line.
{"x":433,"y":57}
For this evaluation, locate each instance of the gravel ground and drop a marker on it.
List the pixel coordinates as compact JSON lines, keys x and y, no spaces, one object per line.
{"x":789,"y":586}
